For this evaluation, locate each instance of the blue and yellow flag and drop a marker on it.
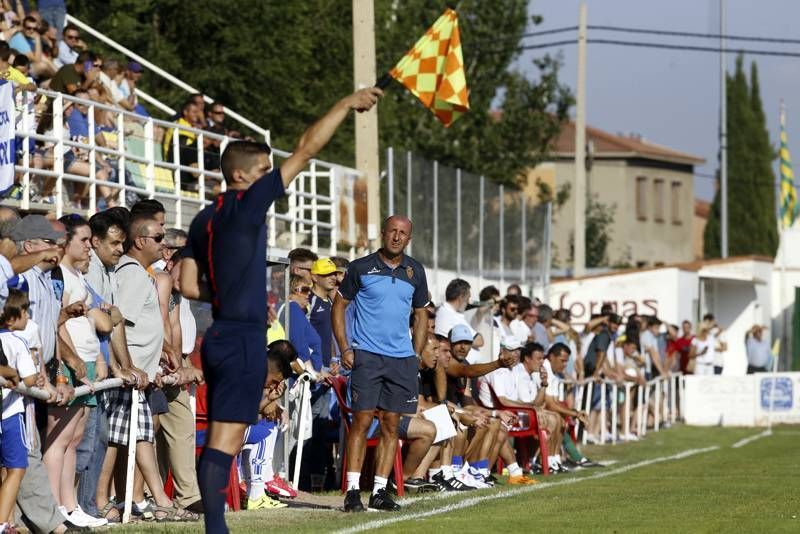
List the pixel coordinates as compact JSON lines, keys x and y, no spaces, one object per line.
{"x":789,"y":206}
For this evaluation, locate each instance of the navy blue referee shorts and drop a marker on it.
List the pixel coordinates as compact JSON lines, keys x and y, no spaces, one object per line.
{"x":383,"y":382}
{"x":234,"y":357}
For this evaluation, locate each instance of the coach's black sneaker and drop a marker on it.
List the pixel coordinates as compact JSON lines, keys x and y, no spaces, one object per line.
{"x":382,"y":501}
{"x":585,"y":462}
{"x":352,"y":501}
{"x":418,"y":485}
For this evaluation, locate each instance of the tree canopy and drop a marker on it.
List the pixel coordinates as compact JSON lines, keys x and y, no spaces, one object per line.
{"x":283,"y":64}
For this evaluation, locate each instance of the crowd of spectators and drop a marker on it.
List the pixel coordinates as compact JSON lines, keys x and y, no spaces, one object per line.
{"x":37,"y":50}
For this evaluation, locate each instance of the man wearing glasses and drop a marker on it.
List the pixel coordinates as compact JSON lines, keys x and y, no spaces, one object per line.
{"x":29,"y":43}
{"x":69,"y":47}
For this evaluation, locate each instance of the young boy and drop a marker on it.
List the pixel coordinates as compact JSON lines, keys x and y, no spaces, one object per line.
{"x":13,"y":448}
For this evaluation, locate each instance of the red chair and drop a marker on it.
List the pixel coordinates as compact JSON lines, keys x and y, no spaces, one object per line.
{"x":339,"y":387}
{"x":533,"y":430}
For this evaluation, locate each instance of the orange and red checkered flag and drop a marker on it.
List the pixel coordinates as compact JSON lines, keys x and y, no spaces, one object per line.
{"x":433,"y":70}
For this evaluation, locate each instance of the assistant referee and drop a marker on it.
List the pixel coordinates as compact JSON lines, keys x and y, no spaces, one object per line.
{"x":385,"y":287}
{"x":225,"y":264}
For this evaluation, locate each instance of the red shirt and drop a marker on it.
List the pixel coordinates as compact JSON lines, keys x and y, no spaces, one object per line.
{"x":681,"y":346}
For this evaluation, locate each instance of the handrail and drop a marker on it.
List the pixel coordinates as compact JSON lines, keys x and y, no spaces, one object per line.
{"x":155,"y":102}
{"x":164,"y":74}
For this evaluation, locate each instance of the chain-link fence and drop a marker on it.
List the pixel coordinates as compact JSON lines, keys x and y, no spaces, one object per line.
{"x":466,"y":225}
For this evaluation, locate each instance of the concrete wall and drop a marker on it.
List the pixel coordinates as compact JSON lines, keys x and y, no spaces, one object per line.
{"x":633,"y":241}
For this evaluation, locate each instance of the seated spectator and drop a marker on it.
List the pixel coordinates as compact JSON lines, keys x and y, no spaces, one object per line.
{"x":69,"y":47}
{"x":187,"y":143}
{"x":29,"y":43}
{"x":74,"y":76}
{"x":127,"y":86}
{"x":12,"y":74}
{"x":107,"y":77}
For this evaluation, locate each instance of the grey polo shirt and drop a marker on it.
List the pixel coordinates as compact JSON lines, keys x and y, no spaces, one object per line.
{"x":44,"y":309}
{"x":137,"y":299}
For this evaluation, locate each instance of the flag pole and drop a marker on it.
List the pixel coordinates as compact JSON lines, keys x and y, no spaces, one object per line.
{"x":783,"y":244}
{"x":384,"y":81}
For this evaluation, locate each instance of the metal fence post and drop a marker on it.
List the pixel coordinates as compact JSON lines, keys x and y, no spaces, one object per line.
{"x":26,"y":153}
{"x":332,"y":177}
{"x":501,"y":196}
{"x":458,"y":222}
{"x":201,"y":169}
{"x":176,"y":159}
{"x":548,"y":242}
{"x":481,"y":212}
{"x":435,"y":228}
{"x":409,"y":194}
{"x":524,"y":233}
{"x":150,"y":156}
{"x":390,"y":180}
{"x":314,"y":212}
{"x":122,"y":160}
{"x":92,"y":162}
{"x":58,"y":152}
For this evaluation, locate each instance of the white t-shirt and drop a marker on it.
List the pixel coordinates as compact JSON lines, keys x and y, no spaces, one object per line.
{"x":502,"y":382}
{"x":446,"y":318}
{"x":188,"y":327}
{"x":6,"y":273}
{"x":707,"y":345}
{"x":649,"y":343}
{"x":111,"y":87}
{"x":521,"y":331}
{"x":19,"y":357}
{"x":81,"y":329}
{"x":31,"y":337}
{"x":526,"y":386}
{"x":553,"y":381}
{"x":717,"y":337}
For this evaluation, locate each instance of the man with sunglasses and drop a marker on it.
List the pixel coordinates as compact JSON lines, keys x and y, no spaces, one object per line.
{"x":225,"y":265}
{"x":69,"y":47}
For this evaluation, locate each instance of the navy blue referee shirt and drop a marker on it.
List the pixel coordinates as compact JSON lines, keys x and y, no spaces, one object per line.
{"x":228,"y":240}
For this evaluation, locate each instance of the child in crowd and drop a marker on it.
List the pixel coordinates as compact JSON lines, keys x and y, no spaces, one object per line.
{"x":13,"y":445}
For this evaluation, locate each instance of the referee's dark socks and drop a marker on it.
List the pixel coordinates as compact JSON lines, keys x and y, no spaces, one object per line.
{"x":213,"y":474}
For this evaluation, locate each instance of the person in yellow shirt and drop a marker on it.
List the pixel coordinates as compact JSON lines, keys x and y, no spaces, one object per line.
{"x":9,"y":73}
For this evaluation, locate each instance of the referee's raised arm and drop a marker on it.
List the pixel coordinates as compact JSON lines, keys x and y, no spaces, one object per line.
{"x":318,"y":134}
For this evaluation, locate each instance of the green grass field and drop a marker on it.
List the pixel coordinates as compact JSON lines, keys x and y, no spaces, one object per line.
{"x":683,"y":479}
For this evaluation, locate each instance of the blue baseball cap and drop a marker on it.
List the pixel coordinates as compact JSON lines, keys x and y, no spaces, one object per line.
{"x":460,"y":333}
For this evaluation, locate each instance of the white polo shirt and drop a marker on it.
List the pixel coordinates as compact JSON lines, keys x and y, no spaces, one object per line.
{"x":526,"y":385}
{"x":501,"y":381}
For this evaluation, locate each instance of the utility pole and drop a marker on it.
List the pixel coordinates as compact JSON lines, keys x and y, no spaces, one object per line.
{"x":723,"y":135}
{"x":367,"y":157}
{"x":580,"y":150}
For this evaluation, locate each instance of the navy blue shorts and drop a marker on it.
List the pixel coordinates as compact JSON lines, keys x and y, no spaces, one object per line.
{"x":234,"y":357}
{"x":13,"y":451}
{"x":383,"y":382}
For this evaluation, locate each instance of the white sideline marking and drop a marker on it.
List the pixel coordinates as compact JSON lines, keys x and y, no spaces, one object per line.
{"x":745,"y":441}
{"x":515,"y":491}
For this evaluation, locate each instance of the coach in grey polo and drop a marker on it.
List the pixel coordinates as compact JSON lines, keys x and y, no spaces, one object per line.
{"x":386,"y":288}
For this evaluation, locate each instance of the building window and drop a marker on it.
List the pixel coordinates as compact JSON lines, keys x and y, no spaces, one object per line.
{"x":641,"y":198}
{"x":658,"y":208}
{"x":676,"y":202}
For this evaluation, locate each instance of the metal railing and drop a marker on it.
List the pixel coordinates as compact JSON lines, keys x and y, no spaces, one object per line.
{"x":130,"y":151}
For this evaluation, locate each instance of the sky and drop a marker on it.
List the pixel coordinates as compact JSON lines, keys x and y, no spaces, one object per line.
{"x":672,"y":97}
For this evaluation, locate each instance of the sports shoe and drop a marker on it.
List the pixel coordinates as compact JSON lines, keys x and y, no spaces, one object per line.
{"x":585,"y":462}
{"x":281,"y":488}
{"x":480,"y":477}
{"x":265,"y":503}
{"x":72,"y":527}
{"x":556,"y":467}
{"x":521,"y":480}
{"x":416,"y":485}
{"x":381,"y":501}
{"x":82,"y":519}
{"x":352,"y":501}
{"x":450,"y":484}
{"x":466,"y":477}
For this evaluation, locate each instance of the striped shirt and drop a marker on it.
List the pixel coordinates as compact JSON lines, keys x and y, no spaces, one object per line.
{"x":44,"y":309}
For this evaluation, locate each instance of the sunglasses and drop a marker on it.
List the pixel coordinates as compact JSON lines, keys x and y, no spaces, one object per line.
{"x":157,"y":238}
{"x":30,"y":28}
{"x":304,"y":290}
{"x":70,"y":37}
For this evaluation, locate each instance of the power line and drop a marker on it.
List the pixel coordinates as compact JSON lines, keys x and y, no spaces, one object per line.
{"x":665,"y":46}
{"x":549,"y":32}
{"x":695,"y":34}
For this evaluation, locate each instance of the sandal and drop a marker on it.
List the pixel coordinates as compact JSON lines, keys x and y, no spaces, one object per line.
{"x":173,"y":514}
{"x":106,"y":510}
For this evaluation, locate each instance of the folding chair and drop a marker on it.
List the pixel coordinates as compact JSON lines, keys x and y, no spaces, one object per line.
{"x":339,"y":387}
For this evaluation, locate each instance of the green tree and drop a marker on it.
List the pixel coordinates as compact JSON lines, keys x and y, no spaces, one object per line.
{"x":599,"y":219}
{"x":282,"y":64}
{"x":751,"y":191}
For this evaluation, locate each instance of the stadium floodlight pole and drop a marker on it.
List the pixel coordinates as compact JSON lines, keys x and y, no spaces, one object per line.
{"x":723,"y":136}
{"x":367,"y":157}
{"x":580,"y":151}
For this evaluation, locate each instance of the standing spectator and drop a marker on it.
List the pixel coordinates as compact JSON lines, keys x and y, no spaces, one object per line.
{"x":457,"y":296}
{"x":341,"y":269}
{"x":482,"y":320}
{"x":718,"y":343}
{"x":682,"y":345}
{"x":224,"y":264}
{"x":323,"y":274}
{"x":758,"y":353}
{"x":29,"y":43}
{"x":54,"y":12}
{"x":302,"y":335}
{"x":649,"y":343}
{"x":144,"y":328}
{"x":508,"y":314}
{"x":515,"y":290}
{"x":384,"y":287}
{"x":69,"y":47}
{"x":300,"y":262}
{"x":701,"y":355}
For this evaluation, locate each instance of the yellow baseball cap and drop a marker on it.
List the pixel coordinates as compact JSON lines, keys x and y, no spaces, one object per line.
{"x":323,"y":266}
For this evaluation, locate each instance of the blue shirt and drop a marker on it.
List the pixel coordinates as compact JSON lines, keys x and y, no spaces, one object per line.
{"x":302,"y":335}
{"x":228,"y":240}
{"x":78,"y":124}
{"x":383,"y":299}
{"x":21,"y":44}
{"x":319,"y":316}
